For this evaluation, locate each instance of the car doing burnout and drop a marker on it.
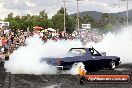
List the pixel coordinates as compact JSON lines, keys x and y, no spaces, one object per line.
{"x":90,"y":57}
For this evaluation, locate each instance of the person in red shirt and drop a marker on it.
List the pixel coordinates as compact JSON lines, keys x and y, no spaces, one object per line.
{"x":4,"y":41}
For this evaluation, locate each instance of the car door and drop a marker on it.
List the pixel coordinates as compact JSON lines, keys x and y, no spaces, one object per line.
{"x":97,"y":59}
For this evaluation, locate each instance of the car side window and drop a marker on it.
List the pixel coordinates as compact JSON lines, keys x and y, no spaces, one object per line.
{"x":94,"y":52}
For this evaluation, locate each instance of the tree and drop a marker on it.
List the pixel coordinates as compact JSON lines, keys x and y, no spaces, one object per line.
{"x":9,"y":17}
{"x":27,"y":23}
{"x":45,"y":23}
{"x":43,"y":14}
{"x":88,"y":19}
{"x":108,"y":26}
{"x":58,"y":21}
{"x":70,"y":26}
{"x":14,"y":24}
{"x":42,"y":20}
{"x":14,"y":21}
{"x":106,"y":22}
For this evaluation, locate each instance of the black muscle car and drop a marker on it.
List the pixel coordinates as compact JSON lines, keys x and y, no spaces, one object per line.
{"x":90,"y":57}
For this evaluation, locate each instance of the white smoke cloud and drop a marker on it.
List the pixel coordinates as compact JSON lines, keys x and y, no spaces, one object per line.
{"x":26,"y":60}
{"x":74,"y":70}
{"x":118,"y":44}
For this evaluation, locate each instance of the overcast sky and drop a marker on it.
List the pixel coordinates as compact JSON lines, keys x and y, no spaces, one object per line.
{"x":23,"y":7}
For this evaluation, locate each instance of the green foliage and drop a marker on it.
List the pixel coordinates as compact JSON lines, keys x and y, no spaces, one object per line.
{"x":108,"y":26}
{"x":88,"y":19}
{"x":107,"y":22}
{"x":14,"y":24}
{"x":28,"y":21}
{"x":70,"y":26}
{"x":58,"y":21}
{"x":43,"y":14}
{"x":104,"y":24}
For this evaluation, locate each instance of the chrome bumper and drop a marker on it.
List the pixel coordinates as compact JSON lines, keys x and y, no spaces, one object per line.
{"x":59,"y":67}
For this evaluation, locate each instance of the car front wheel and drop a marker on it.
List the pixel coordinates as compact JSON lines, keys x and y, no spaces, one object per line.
{"x":112,"y":65}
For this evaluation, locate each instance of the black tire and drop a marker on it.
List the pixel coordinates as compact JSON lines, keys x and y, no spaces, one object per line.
{"x":81,"y":80}
{"x":112,"y":65}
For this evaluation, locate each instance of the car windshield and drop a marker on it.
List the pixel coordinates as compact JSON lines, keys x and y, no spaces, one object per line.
{"x":77,"y":52}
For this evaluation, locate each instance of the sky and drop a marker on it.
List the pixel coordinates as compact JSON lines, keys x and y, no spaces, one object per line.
{"x":33,"y":7}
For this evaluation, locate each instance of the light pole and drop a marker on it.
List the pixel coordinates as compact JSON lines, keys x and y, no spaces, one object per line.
{"x":78,"y":23}
{"x":127,"y":13}
{"x":127,"y":17}
{"x":77,"y":17}
{"x":64,"y":16}
{"x":64,"y":1}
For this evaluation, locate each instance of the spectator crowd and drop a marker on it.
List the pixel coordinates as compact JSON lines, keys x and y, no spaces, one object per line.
{"x":10,"y":40}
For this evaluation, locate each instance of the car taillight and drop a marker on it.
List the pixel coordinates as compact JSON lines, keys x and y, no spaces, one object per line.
{"x":58,"y":61}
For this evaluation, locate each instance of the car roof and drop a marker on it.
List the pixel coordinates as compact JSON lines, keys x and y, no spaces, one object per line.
{"x":80,"y":48}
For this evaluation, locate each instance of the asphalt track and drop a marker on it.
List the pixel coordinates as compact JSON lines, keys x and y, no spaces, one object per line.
{"x":8,"y":80}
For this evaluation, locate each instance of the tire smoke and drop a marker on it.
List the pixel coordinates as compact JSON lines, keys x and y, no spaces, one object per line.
{"x":26,"y":59}
{"x":117,"y":44}
{"x":74,"y":69}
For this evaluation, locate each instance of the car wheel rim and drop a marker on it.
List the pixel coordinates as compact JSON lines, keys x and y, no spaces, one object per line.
{"x":113,"y":64}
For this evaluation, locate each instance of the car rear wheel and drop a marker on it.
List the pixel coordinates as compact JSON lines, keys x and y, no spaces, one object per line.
{"x":81,"y":79}
{"x":112,"y":65}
